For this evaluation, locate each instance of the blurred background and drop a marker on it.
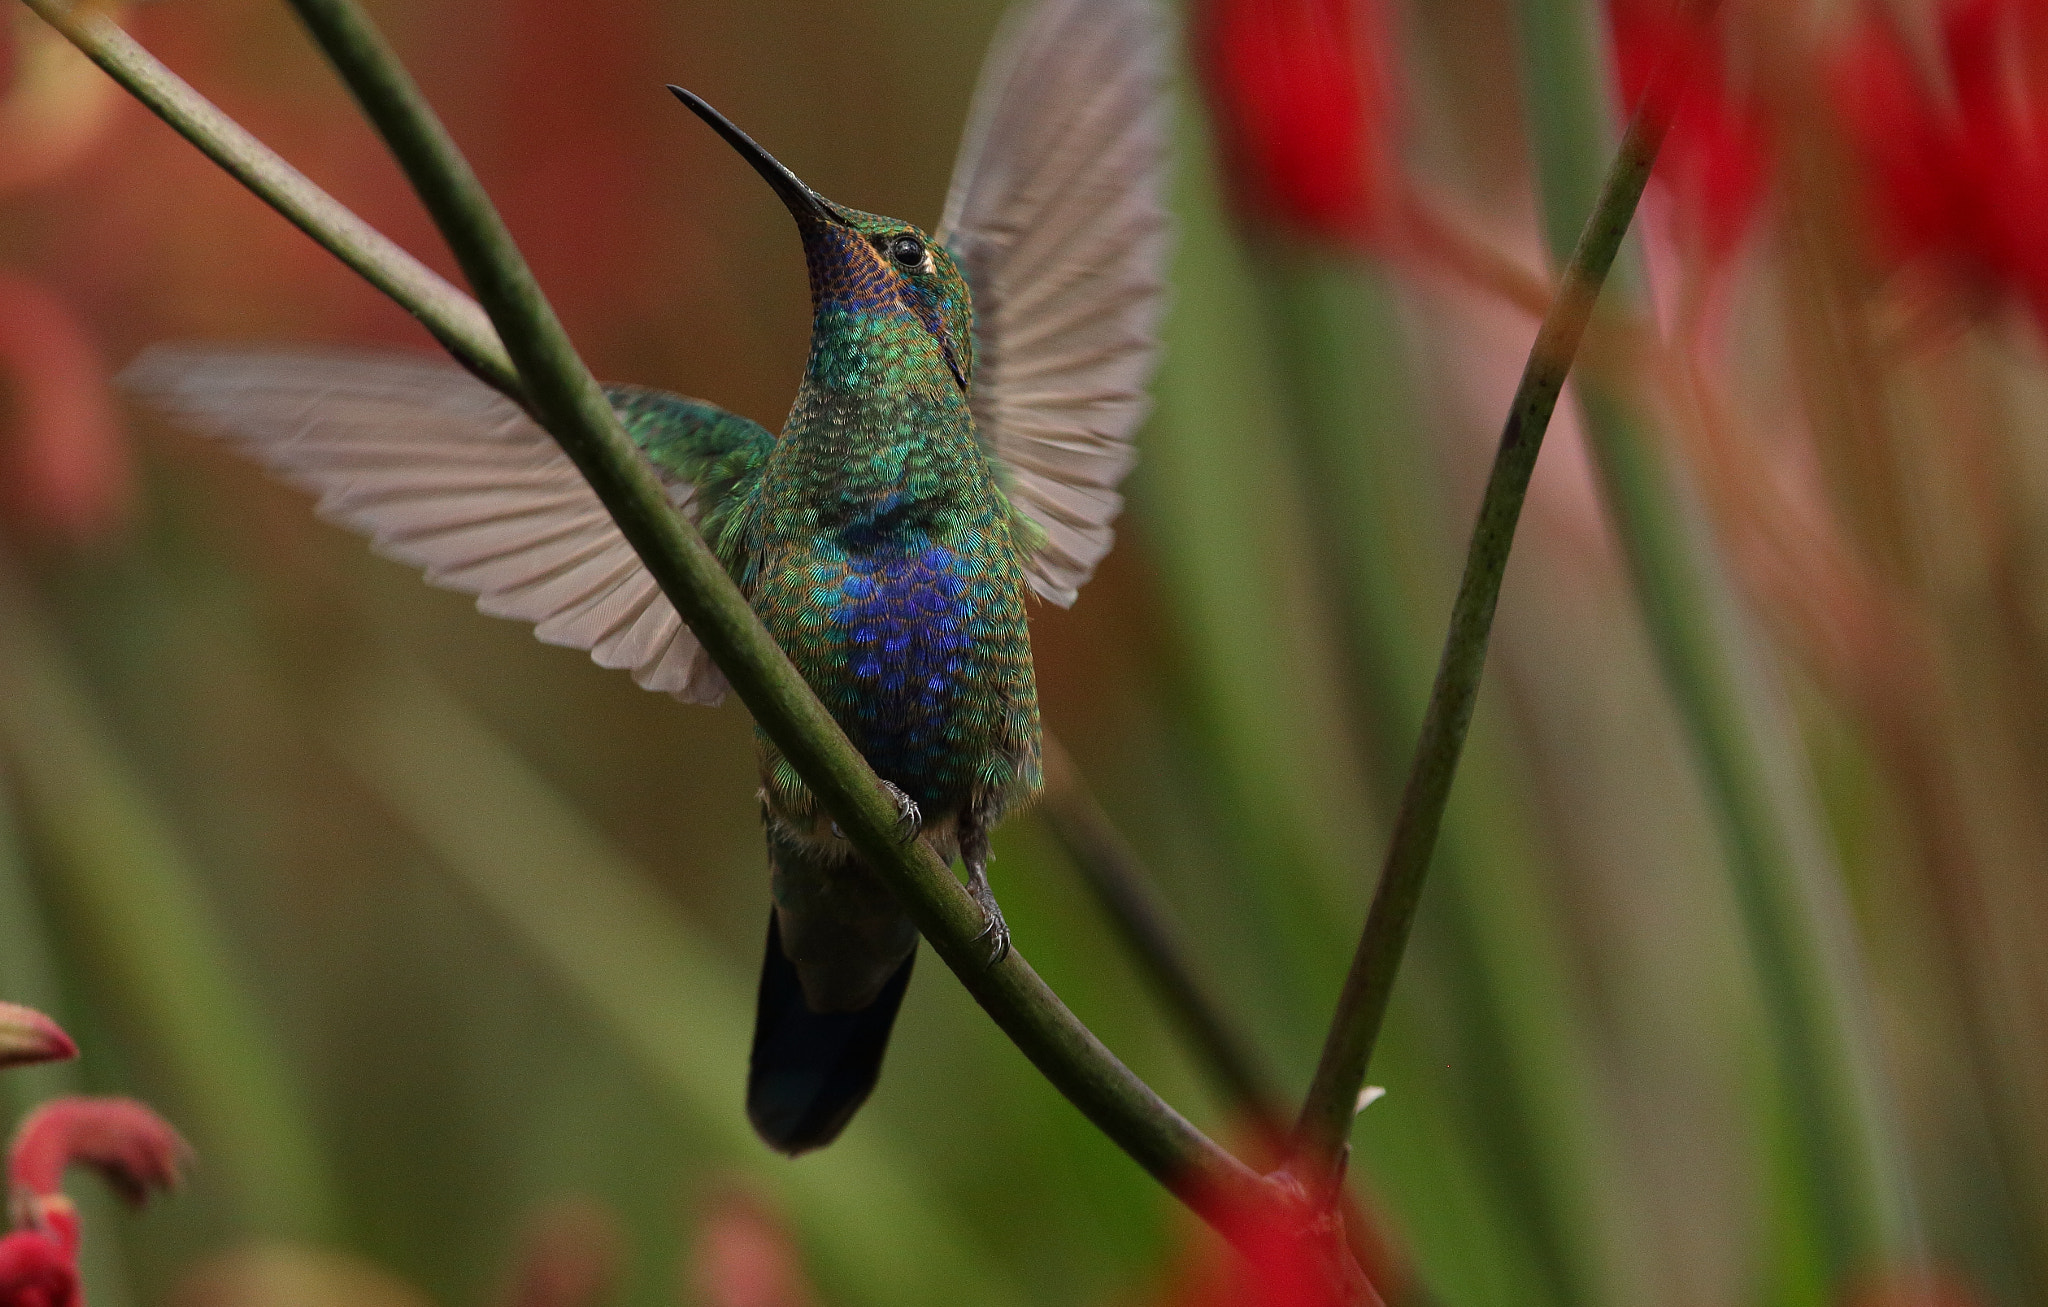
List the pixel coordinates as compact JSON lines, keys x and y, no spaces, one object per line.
{"x":440,"y":944}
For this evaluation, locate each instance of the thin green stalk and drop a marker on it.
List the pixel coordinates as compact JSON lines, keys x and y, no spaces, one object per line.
{"x":1125,"y":890}
{"x":1849,"y":1198}
{"x":1324,"y":1129}
{"x":451,"y":316}
{"x":1112,"y":871}
{"x":1492,"y":932}
{"x":545,"y":375}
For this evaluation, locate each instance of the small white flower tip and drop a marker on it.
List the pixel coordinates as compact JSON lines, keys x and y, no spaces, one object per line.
{"x":1367,"y":1097}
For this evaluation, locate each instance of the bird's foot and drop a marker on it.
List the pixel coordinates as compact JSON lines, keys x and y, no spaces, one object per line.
{"x":996,"y":931}
{"x":909,"y":819}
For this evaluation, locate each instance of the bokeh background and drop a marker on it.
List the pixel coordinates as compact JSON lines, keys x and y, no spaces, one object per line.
{"x":440,"y":944}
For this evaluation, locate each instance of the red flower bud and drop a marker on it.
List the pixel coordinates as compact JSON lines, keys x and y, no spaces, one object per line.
{"x":1955,"y":176}
{"x":1302,"y":109}
{"x":27,"y":1036}
{"x":122,"y":1139}
{"x":743,"y":1257}
{"x":1716,"y":158}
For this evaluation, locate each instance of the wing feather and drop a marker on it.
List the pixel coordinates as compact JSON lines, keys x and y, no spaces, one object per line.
{"x":442,"y":472}
{"x":1057,"y":216}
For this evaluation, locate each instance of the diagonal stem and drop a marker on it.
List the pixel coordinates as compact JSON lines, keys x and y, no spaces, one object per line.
{"x":449,"y":315}
{"x":1123,"y":887}
{"x":1324,"y":1128}
{"x":1844,"y":1196}
{"x":530,"y":360}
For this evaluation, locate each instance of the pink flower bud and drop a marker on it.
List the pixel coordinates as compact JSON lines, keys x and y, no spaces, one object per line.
{"x":743,"y":1257}
{"x":27,"y":1036}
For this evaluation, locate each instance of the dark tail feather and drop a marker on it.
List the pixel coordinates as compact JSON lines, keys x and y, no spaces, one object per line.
{"x":810,"y":1071}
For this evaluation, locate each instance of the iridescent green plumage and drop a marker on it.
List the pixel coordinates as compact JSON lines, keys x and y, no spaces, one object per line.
{"x":944,"y":455}
{"x":883,"y":555}
{"x":875,"y":543}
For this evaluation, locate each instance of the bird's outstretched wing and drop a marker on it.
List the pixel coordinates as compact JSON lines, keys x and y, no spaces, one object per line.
{"x":444,"y":473}
{"x":1057,"y":215}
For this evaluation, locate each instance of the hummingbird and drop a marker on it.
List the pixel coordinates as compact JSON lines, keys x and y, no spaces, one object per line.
{"x":965,"y":416}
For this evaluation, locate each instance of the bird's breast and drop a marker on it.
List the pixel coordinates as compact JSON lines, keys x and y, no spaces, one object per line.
{"x":916,"y":645}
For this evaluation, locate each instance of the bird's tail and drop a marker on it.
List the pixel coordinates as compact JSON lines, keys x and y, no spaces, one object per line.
{"x":811,"y":1071}
{"x":838,"y":960}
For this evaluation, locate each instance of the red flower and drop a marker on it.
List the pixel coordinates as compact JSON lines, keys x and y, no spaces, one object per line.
{"x":123,"y":1140}
{"x":127,"y":1143}
{"x":1957,"y":177}
{"x":38,"y":1269}
{"x":1279,"y":1256}
{"x":1301,"y":104}
{"x":1716,"y":157}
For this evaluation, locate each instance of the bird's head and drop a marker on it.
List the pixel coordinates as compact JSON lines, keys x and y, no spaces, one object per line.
{"x":863,"y":265}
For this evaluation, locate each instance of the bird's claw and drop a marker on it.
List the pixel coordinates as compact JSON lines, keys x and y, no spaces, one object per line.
{"x":909,"y":818}
{"x":997,"y":931}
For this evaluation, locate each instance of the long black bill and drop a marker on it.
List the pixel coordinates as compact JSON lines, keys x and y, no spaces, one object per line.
{"x":803,"y":202}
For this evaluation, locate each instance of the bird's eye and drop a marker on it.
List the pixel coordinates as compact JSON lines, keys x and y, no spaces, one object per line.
{"x":907,"y":251}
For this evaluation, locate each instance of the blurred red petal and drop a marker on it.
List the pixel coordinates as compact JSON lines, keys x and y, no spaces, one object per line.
{"x":744,"y":1258}
{"x":1274,"y":1259}
{"x":1716,"y":157}
{"x":126,"y":1142}
{"x":569,"y":1257}
{"x":1302,"y":110}
{"x":1956,"y":175}
{"x":36,"y":1272}
{"x":64,"y":463}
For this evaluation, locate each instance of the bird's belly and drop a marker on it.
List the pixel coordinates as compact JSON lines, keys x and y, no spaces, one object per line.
{"x":917,"y":651}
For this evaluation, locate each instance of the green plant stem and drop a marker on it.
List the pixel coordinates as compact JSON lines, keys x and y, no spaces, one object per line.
{"x":451,"y":316}
{"x":1324,"y":1128}
{"x":1848,"y":1197}
{"x":1126,"y":892}
{"x":536,"y":366}
{"x":1491,"y":933}
{"x":1115,"y":875}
